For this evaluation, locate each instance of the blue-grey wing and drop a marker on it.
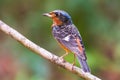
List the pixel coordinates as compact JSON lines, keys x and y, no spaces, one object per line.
{"x":72,"y":40}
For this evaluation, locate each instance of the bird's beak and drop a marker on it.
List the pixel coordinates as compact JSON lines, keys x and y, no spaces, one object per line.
{"x":47,"y":14}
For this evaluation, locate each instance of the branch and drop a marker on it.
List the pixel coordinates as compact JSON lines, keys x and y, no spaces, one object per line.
{"x":44,"y":53}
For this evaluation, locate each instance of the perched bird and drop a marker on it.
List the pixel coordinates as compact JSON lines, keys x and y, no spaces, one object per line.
{"x":68,"y":36}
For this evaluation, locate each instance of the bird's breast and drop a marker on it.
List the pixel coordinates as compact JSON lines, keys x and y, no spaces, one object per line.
{"x":60,"y":32}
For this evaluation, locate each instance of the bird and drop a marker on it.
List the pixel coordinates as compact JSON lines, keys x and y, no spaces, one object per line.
{"x":68,"y":36}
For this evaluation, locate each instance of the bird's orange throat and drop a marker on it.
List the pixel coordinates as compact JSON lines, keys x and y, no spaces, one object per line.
{"x":56,"y":21}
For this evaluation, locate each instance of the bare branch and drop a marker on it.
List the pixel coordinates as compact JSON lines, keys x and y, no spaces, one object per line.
{"x":44,"y":53}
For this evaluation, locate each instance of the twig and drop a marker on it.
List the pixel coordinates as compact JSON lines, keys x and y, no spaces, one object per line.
{"x":44,"y":53}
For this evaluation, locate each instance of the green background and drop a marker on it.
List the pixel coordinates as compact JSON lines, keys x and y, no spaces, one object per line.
{"x":97,"y":20}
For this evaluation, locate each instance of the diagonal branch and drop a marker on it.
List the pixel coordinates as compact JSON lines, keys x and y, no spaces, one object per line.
{"x":44,"y":53}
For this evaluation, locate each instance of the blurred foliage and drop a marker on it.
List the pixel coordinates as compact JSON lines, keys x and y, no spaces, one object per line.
{"x":97,"y":20}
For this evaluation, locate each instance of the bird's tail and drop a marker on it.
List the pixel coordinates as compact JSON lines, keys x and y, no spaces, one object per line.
{"x":83,"y":64}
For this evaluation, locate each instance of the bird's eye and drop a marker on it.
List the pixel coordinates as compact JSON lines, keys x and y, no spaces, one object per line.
{"x":56,"y":14}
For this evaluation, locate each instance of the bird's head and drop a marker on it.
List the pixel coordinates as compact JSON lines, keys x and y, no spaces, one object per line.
{"x":59,"y":17}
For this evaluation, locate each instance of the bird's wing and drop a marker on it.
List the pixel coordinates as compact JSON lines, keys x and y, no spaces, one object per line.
{"x":73,"y":42}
